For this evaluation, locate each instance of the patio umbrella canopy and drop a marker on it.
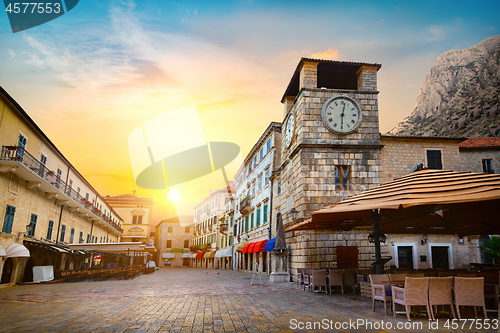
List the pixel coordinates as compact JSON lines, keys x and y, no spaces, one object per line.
{"x":424,"y":202}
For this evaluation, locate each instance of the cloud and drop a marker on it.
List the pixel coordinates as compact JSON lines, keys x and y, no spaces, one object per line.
{"x":328,"y":54}
{"x":12,"y":53}
{"x":438,"y":33}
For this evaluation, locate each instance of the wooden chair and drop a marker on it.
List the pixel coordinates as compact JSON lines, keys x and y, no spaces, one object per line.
{"x":415,"y":292}
{"x":318,"y":280}
{"x":336,"y":277}
{"x":300,"y":277}
{"x":349,"y":279}
{"x":469,"y":292}
{"x":306,"y":274}
{"x":380,"y":291}
{"x":441,"y":293}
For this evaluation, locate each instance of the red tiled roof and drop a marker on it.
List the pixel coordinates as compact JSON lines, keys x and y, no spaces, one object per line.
{"x":480,"y":143}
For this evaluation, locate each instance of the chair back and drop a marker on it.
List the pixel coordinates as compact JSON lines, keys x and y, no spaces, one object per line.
{"x":378,"y":278}
{"x":397,"y":277}
{"x":415,"y":275}
{"x":350,"y":278}
{"x":467,"y":274}
{"x":440,"y":290}
{"x":469,"y":291}
{"x":416,"y":291}
{"x":335,"y":277}
{"x":319,"y":277}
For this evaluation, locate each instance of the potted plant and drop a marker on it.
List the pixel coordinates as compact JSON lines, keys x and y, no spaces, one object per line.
{"x":491,"y":250}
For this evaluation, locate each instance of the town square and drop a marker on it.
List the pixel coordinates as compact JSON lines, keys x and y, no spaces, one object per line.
{"x":249,"y":166}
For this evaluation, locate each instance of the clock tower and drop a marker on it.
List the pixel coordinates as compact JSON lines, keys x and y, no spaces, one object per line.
{"x":331,"y":144}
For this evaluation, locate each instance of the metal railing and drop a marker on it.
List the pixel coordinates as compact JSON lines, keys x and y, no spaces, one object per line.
{"x":14,"y":153}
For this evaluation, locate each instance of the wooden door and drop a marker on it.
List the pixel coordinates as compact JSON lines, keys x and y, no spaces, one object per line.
{"x":347,"y":257}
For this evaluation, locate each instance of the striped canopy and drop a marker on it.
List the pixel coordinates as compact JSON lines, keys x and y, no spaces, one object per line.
{"x":423,"y":202}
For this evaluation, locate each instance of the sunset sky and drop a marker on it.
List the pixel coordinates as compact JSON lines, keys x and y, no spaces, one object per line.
{"x":93,"y":75}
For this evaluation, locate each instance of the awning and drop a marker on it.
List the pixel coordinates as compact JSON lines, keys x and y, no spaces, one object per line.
{"x":168,"y":255}
{"x":122,"y":247}
{"x":2,"y":252}
{"x":210,"y":254}
{"x":224,"y":253}
{"x":423,"y":202}
{"x":260,"y":246}
{"x":200,"y":254}
{"x":270,"y":245}
{"x":239,"y":247}
{"x":186,"y":255}
{"x":15,"y":250}
{"x":246,"y":248}
{"x":59,"y":248}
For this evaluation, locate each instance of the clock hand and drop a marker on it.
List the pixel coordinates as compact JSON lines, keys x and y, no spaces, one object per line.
{"x":342,"y":118}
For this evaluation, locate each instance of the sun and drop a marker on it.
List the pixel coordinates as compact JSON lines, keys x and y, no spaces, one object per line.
{"x":174,"y":196}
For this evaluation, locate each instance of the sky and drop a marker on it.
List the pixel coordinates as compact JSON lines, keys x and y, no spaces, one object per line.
{"x":92,"y":76}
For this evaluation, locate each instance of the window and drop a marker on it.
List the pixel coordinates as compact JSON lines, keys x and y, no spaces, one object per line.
{"x":70,"y":186}
{"x":186,"y":243}
{"x":49,"y":230}
{"x":251,"y":220}
{"x":261,"y":153}
{"x":139,"y":219}
{"x":279,"y":187}
{"x":264,"y":215}
{"x":257,"y":219}
{"x":134,"y":219}
{"x":8,"y":220}
{"x":259,"y":184}
{"x":33,"y":219}
{"x":169,"y":244}
{"x":253,"y":189}
{"x":235,"y":229}
{"x":80,"y":240}
{"x":254,"y":161}
{"x":342,"y":177}
{"x":58,"y":177}
{"x":266,"y":177}
{"x":222,"y":242}
{"x":170,"y":229}
{"x":246,"y":223}
{"x":434,"y":159}
{"x":268,"y":145}
{"x":21,"y":143}
{"x":87,"y":196}
{"x":488,"y":166}
{"x":43,"y":161}
{"x":231,"y":222}
{"x":88,"y":238}
{"x":63,"y":232}
{"x":72,"y":235}
{"x":186,"y":230}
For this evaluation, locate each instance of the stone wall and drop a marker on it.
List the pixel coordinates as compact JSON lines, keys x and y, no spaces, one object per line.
{"x":401,"y":155}
{"x":471,"y":159}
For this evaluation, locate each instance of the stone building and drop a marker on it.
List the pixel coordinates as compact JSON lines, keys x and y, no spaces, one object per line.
{"x":254,"y":199}
{"x":332,"y":149}
{"x":45,"y":202}
{"x":136,"y":213}
{"x":480,"y":155}
{"x":210,"y":228}
{"x":173,"y":237}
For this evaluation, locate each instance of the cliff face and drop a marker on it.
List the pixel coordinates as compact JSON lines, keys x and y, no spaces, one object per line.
{"x":460,"y":96}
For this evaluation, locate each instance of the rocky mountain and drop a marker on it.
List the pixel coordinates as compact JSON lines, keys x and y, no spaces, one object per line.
{"x":460,"y":96}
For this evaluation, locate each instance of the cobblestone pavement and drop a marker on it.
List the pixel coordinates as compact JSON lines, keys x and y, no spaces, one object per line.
{"x":193,"y":300}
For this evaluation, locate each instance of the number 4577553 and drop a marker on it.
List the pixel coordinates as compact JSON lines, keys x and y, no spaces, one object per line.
{"x":33,"y":7}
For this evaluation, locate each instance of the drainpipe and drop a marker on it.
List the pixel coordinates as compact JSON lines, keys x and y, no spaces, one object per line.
{"x":59,"y":225}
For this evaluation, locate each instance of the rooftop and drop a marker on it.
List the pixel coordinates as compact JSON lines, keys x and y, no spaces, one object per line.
{"x":480,"y":143}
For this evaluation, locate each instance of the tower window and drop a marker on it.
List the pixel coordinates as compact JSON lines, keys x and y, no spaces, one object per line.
{"x":342,"y":175}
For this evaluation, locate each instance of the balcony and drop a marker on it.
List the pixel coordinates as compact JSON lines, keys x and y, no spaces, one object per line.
{"x":223,"y":228}
{"x":18,"y":161}
{"x":245,"y":206}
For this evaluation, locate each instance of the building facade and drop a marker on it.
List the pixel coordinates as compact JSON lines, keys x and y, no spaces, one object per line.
{"x":173,"y":237}
{"x":136,"y":213}
{"x":210,"y":228}
{"x":44,"y":201}
{"x":253,"y":203}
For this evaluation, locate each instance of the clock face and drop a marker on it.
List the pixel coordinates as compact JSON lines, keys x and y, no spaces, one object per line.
{"x":289,"y":130}
{"x":341,"y":115}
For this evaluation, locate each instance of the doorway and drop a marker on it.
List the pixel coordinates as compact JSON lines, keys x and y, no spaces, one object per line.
{"x":440,"y":257}
{"x":28,"y":270}
{"x":405,"y":257}
{"x":347,"y":257}
{"x":7,"y":270}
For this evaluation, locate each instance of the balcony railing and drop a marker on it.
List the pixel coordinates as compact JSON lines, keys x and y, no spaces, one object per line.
{"x":245,"y":206}
{"x":14,"y":153}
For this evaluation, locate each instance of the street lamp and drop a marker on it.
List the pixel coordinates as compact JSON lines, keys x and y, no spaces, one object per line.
{"x":382,"y":238}
{"x":28,"y":229}
{"x":294,"y":214}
